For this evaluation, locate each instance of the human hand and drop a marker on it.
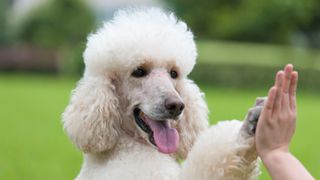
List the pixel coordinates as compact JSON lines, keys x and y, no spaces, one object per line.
{"x":276,"y":124}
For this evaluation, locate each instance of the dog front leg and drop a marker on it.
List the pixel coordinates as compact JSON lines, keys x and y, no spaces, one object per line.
{"x":225,"y":151}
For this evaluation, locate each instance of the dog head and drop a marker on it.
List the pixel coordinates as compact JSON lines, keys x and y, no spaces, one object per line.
{"x":136,"y":80}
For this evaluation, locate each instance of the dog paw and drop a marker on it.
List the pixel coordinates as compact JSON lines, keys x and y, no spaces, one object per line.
{"x":251,"y":119}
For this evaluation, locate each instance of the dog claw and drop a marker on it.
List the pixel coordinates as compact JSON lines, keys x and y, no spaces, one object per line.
{"x":260,"y":101}
{"x":252,"y":118}
{"x":253,"y":115}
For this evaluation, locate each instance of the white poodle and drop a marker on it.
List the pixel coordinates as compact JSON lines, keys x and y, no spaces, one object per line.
{"x":136,"y":115}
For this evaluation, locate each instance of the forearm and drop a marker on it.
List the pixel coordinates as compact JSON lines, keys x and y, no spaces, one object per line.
{"x":284,"y":166}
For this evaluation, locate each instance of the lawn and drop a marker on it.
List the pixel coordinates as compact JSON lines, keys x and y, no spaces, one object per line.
{"x":34,"y":146}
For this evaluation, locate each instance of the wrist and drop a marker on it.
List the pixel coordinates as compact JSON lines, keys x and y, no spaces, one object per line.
{"x":281,"y":164}
{"x":275,"y":156}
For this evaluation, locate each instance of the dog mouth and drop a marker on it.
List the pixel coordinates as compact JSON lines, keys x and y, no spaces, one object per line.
{"x":160,"y":134}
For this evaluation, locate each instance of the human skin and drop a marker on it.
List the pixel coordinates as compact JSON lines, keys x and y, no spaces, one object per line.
{"x":276,"y":127}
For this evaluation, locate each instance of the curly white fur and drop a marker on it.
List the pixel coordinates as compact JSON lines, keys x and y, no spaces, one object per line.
{"x":99,"y":118}
{"x":136,"y":34}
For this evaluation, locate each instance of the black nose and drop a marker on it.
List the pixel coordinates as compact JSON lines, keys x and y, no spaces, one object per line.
{"x":174,"y":106}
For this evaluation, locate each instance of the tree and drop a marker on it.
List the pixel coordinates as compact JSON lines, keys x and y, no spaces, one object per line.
{"x":57,"y":22}
{"x":61,"y":25}
{"x":247,"y":20}
{"x":4,"y":4}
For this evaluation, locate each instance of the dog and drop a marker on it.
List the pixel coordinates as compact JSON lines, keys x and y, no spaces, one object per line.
{"x":136,"y":115}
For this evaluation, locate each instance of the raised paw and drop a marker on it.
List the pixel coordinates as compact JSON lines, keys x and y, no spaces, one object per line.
{"x":252,"y":116}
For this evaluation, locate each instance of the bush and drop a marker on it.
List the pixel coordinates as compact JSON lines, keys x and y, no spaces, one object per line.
{"x":249,"y":76}
{"x":62,"y":25}
{"x":270,"y":21}
{"x":4,"y":5}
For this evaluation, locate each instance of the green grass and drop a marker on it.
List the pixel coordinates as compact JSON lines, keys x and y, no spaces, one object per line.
{"x":34,"y":146}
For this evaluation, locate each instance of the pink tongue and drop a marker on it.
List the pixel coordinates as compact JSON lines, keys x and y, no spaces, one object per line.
{"x":166,"y":138}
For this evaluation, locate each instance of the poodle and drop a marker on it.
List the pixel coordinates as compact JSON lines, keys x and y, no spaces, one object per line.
{"x":136,"y":115}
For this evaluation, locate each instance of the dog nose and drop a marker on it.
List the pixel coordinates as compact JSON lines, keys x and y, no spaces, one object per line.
{"x":174,"y":106}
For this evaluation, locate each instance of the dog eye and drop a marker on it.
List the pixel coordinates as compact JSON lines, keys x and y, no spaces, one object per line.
{"x":139,"y":72}
{"x":173,"y":74}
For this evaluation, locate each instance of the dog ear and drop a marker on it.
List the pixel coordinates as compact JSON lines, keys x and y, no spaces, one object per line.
{"x":194,"y":118}
{"x":91,"y":119}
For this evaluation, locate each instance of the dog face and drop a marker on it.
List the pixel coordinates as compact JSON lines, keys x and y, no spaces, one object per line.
{"x":135,"y":81}
{"x":153,"y":102}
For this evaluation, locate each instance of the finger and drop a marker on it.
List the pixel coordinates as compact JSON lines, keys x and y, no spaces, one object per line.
{"x":287,"y":80}
{"x":278,"y":85}
{"x":267,"y":110}
{"x":293,"y":89}
{"x":285,"y":104}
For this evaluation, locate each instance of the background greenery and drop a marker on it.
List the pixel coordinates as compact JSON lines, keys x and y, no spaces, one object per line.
{"x":57,"y":25}
{"x":250,"y":65}
{"x":34,"y":146}
{"x":269,"y":21}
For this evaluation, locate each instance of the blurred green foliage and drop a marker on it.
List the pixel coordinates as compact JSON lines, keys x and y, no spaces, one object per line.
{"x":3,"y":24}
{"x":271,"y":21}
{"x":61,"y":25}
{"x":248,"y":76}
{"x":56,"y":23}
{"x":251,"y":65}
